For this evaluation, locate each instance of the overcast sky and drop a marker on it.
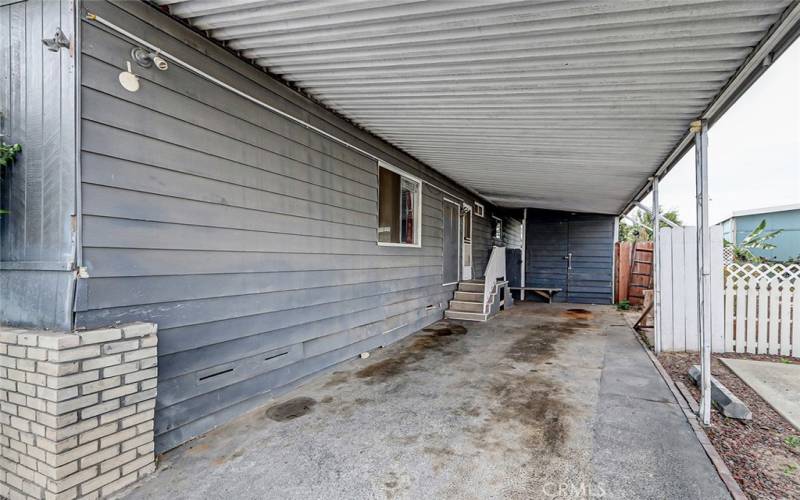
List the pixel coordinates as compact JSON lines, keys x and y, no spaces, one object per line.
{"x":754,"y":150}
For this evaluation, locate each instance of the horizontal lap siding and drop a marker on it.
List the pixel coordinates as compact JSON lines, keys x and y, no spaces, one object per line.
{"x":248,"y":238}
{"x":512,"y":230}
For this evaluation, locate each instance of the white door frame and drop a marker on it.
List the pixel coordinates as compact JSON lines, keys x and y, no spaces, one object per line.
{"x":459,"y":264}
{"x":466,"y":270}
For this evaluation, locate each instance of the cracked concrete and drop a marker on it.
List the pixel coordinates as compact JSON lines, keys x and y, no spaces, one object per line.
{"x":541,"y":401}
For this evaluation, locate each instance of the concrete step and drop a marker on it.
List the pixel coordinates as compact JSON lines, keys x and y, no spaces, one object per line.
{"x":470,"y":286}
{"x":457,"y":305}
{"x":469,"y":296}
{"x":465,"y":316}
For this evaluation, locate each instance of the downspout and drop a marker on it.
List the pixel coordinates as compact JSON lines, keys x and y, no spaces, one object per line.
{"x":77,"y":226}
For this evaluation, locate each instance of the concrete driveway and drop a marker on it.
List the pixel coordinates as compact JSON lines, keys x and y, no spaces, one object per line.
{"x":542,"y":401}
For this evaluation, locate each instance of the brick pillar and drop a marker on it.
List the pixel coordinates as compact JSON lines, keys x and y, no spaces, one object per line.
{"x":76,"y":411}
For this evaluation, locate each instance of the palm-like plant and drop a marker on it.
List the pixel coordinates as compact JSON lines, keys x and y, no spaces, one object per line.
{"x":756,"y":240}
{"x":629,"y":232}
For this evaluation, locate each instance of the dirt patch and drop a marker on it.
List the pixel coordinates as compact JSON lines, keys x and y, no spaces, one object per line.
{"x":758,"y":452}
{"x":291,"y":409}
{"x":436,"y":340}
{"x":336,"y":379}
{"x":198,"y":449}
{"x":532,"y":402}
{"x":539,"y":343}
{"x":439,"y":330}
{"x":583,"y":314}
{"x":227,"y":458}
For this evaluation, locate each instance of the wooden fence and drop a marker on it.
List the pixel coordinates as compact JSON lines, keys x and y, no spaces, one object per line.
{"x":678,"y":285}
{"x":634,"y":272}
{"x":762,"y":309}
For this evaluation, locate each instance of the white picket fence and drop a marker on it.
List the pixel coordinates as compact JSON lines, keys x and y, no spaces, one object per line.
{"x":762,"y":309}
{"x":678,"y":283}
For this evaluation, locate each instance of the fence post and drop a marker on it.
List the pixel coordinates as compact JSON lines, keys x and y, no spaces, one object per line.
{"x":786,"y":307}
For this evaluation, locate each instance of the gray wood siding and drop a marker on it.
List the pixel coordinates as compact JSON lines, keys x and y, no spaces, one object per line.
{"x":512,"y":228}
{"x":37,"y":91}
{"x":249,"y":239}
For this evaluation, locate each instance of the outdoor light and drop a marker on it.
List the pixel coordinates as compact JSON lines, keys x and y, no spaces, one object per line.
{"x":148,"y":59}
{"x":128,"y":80}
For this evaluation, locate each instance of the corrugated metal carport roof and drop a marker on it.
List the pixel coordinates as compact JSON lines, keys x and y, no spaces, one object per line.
{"x":552,"y":104}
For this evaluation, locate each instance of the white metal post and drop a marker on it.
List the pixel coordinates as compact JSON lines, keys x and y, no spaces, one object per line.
{"x":700,"y":129}
{"x":524,"y":250}
{"x":656,"y":268}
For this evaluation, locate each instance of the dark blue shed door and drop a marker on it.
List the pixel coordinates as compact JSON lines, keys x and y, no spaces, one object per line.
{"x":572,"y":252}
{"x":591,"y":246}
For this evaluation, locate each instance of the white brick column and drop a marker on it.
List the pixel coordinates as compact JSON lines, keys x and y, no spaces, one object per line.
{"x":76,"y":411}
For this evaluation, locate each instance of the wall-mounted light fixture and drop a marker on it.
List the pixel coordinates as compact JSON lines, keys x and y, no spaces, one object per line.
{"x":128,"y":80}
{"x":147,"y":59}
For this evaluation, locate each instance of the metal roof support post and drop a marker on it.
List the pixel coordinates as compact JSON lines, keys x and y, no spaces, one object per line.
{"x":656,"y":269}
{"x":524,"y":251}
{"x":700,"y":130}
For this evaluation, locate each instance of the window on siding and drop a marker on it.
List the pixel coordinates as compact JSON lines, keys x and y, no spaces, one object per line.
{"x":478,"y":209}
{"x":399,"y":214}
{"x":497,"y":231}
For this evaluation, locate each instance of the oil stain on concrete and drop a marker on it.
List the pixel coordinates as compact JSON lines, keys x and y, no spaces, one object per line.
{"x":459,"y":410}
{"x":434,"y":340}
{"x":291,"y":409}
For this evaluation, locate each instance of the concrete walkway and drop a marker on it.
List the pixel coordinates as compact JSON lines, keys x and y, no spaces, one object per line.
{"x":540,"y":402}
{"x":777,"y":383}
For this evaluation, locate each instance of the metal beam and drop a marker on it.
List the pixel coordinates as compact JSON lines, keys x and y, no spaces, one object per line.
{"x":637,"y":223}
{"x":700,"y":130}
{"x":656,"y":268}
{"x":660,"y":215}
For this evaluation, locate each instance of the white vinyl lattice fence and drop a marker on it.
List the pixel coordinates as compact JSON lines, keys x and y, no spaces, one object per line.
{"x":762,"y":309}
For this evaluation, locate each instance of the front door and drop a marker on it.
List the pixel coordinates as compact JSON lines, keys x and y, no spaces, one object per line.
{"x":451,"y":236}
{"x":466,"y":251}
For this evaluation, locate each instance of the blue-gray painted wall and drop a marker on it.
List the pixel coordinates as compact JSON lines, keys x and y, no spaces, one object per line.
{"x":551,"y":236}
{"x":37,"y":111}
{"x":248,"y":239}
{"x":787,"y":243}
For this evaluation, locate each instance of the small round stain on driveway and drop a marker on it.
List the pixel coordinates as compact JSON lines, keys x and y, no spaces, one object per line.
{"x":291,"y":409}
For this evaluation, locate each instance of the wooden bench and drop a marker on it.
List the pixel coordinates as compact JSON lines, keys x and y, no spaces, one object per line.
{"x":546,"y":293}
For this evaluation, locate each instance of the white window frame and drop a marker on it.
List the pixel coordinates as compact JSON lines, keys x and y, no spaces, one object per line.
{"x":459,"y":262}
{"x":479,"y":210}
{"x":498,"y":220}
{"x":417,"y":218}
